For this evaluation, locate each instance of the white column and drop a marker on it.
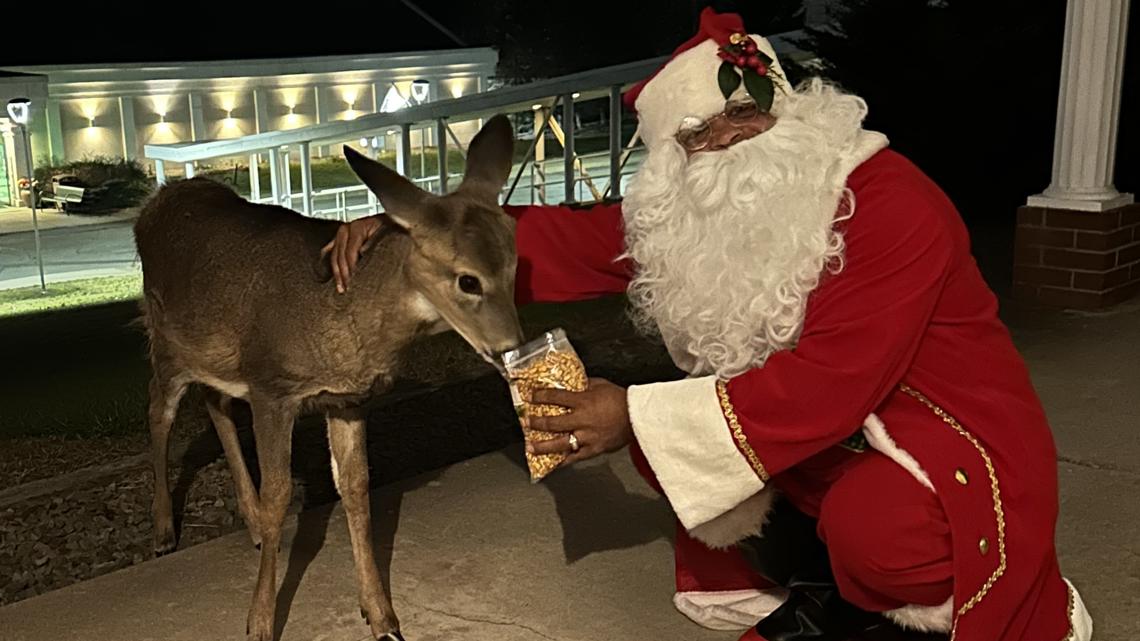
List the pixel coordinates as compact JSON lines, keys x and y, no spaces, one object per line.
{"x":56,"y":150}
{"x":21,"y":168}
{"x":322,"y":111}
{"x":197,"y":119}
{"x":189,"y":168}
{"x":1088,"y":109}
{"x":441,"y":147}
{"x":275,"y":175}
{"x":9,"y":160}
{"x":160,"y":172}
{"x":404,"y":152}
{"x":260,"y":113}
{"x":306,"y":180}
{"x":127,"y":124}
{"x":286,"y":179}
{"x":254,"y":178}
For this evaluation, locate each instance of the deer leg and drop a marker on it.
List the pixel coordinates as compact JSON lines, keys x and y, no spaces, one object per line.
{"x":165,"y":393}
{"x":219,"y":406}
{"x":350,"y":473}
{"x":273,"y":433}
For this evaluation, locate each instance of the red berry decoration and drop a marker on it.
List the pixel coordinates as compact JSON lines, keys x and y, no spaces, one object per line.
{"x":741,"y":61}
{"x":753,"y":62}
{"x":750,"y":47}
{"x":761,"y":68}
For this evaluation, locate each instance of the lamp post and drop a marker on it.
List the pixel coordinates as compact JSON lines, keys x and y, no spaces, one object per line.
{"x":420,"y":91}
{"x":19,"y":110}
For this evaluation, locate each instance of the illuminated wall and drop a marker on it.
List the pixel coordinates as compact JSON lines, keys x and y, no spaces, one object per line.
{"x":88,"y":106}
{"x":91,"y":128}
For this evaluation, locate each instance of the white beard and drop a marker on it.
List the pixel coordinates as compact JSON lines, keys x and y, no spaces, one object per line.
{"x":730,"y":244}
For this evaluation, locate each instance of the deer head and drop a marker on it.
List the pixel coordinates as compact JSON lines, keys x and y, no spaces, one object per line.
{"x":463,"y":259}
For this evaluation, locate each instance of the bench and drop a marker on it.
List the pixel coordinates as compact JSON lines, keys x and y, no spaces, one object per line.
{"x":62,"y":195}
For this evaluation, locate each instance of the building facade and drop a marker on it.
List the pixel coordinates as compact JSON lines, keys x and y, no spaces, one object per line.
{"x":88,"y":111}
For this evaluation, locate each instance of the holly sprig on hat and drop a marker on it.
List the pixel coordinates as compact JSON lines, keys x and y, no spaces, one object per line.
{"x":744,"y":62}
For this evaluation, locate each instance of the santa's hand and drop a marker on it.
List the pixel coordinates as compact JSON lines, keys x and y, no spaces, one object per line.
{"x":598,"y":421}
{"x":344,"y":250}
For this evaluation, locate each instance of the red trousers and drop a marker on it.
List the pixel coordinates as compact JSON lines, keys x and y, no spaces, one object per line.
{"x":886,"y":534}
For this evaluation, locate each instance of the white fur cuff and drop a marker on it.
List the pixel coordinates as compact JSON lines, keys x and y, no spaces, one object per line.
{"x":924,"y":618}
{"x":740,"y":522}
{"x":685,"y":437}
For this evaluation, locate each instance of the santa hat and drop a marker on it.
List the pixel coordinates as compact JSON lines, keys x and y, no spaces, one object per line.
{"x":722,"y":60}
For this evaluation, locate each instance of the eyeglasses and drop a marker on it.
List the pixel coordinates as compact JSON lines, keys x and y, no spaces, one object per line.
{"x":695,"y":134}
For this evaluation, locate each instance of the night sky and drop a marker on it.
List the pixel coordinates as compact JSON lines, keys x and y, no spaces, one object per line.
{"x":126,"y":32}
{"x":534,"y":37}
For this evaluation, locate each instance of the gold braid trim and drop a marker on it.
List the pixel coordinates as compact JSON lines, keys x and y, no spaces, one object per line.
{"x":738,"y":432}
{"x":999,"y":513}
{"x":1072,"y":609}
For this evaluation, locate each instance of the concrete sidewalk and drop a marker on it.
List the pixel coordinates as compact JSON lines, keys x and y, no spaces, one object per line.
{"x":16,"y":220}
{"x":481,"y":554}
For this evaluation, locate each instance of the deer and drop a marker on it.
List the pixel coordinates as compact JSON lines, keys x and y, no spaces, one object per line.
{"x":238,"y":298}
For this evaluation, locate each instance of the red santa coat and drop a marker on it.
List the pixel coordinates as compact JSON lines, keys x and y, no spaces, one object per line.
{"x":905,"y":341}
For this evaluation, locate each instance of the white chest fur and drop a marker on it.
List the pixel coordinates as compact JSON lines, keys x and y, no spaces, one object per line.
{"x":422,"y":309}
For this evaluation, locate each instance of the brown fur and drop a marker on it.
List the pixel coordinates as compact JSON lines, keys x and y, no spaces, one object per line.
{"x":237,"y":296}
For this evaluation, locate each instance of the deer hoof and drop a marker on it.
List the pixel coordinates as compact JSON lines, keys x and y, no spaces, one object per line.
{"x":165,"y":545}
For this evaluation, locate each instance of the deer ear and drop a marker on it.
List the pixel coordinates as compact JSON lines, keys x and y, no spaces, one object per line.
{"x":489,"y":159}
{"x":401,"y":199}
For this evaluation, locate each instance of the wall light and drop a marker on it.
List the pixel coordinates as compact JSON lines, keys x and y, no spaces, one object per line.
{"x":456,"y":87}
{"x":161,"y":104}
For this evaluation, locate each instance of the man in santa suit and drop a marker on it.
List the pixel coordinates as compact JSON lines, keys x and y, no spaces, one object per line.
{"x":858,"y":439}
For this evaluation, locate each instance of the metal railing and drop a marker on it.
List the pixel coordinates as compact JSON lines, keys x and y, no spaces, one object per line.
{"x":538,"y":98}
{"x":541,"y":98}
{"x":354,"y":201}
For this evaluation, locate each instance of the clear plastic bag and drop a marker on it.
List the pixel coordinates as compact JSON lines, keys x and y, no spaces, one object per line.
{"x":549,"y":361}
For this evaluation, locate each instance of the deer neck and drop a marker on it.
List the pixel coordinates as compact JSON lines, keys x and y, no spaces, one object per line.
{"x":386,"y":308}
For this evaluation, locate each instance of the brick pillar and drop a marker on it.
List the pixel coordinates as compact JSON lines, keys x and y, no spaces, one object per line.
{"x":1081,"y":260}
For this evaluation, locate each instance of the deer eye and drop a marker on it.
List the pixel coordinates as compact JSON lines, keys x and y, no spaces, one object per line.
{"x":470,"y":285}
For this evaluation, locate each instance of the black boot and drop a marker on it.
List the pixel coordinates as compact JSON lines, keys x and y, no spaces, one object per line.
{"x":790,"y":554}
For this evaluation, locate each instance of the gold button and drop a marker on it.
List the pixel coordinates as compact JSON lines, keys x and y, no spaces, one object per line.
{"x":960,"y":476}
{"x":984,"y":546}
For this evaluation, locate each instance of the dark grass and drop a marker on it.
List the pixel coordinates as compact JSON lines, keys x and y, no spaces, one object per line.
{"x":78,"y":372}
